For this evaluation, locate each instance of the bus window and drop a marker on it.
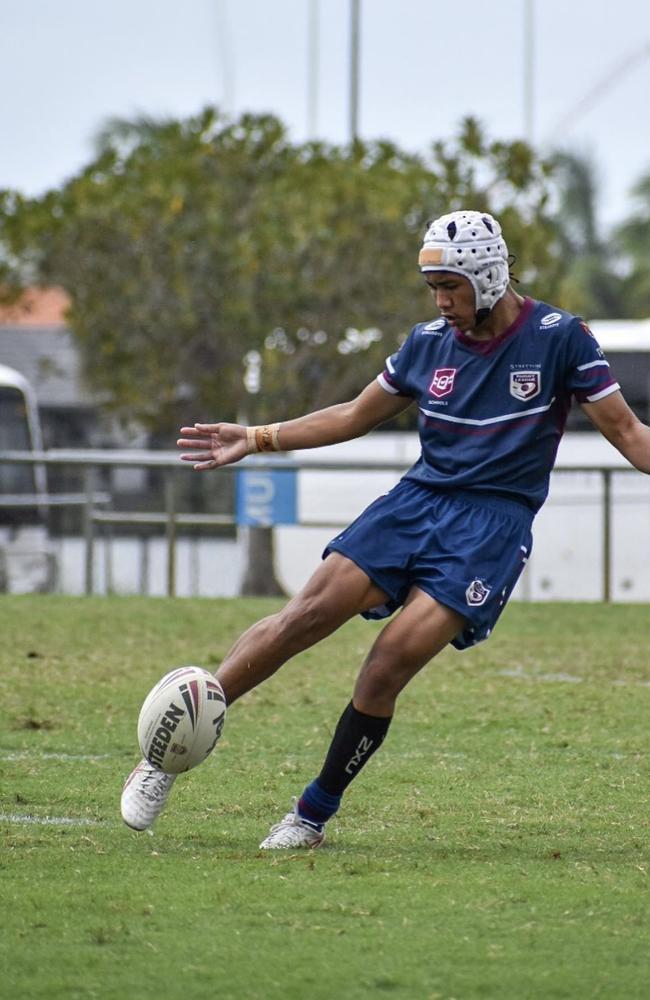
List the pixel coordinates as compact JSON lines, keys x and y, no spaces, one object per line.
{"x":19,"y":431}
{"x":15,"y":436}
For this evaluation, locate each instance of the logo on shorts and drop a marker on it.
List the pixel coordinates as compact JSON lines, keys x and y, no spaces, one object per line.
{"x":551,"y":319}
{"x":442,"y":382}
{"x":525,"y":385}
{"x":477,"y":593}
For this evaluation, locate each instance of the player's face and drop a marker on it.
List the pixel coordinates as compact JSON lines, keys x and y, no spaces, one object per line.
{"x":454,"y":297}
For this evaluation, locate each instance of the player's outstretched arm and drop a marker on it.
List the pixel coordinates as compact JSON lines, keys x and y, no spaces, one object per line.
{"x":210,"y":446}
{"x":615,"y":420}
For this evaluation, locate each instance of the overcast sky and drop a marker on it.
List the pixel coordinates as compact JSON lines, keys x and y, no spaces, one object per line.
{"x":66,"y":67}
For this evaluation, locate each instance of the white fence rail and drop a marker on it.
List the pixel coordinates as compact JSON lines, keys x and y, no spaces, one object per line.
{"x":595,"y":487}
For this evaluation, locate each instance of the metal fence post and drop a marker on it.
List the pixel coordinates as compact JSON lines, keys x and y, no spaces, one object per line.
{"x":144,"y":565}
{"x":607,"y":534}
{"x":170,"y":531}
{"x":88,"y":529}
{"x":108,"y":560}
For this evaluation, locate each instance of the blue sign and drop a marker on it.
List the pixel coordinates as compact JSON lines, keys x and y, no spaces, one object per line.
{"x":266,"y":497}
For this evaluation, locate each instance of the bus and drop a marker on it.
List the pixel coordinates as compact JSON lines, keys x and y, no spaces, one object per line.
{"x":23,"y":487}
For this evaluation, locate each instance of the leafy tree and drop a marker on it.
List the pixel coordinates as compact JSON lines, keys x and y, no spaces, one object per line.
{"x":154,"y":242}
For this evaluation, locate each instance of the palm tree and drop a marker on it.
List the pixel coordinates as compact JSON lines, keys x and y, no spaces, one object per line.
{"x":633,"y":237}
{"x":589,"y":283}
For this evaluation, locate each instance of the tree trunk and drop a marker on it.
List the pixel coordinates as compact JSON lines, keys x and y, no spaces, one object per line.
{"x":260,"y":579}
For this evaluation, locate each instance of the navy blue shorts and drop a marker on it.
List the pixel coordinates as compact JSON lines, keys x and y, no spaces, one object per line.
{"x":465,"y":550}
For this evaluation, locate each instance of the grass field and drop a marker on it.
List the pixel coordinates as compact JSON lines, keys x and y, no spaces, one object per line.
{"x":497,"y":847}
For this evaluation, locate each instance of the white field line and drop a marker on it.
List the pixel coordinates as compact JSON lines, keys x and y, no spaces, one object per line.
{"x":519,"y":674}
{"x":49,"y":820}
{"x":26,"y":754}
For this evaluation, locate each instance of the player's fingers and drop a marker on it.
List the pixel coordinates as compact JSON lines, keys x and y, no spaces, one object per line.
{"x":193,"y":442}
{"x":205,"y":456}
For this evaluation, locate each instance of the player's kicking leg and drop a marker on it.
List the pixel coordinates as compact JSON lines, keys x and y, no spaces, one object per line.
{"x":421,"y":629}
{"x":337,"y":591}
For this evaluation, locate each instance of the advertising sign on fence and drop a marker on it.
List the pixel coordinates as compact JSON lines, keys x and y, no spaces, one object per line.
{"x":266,"y":497}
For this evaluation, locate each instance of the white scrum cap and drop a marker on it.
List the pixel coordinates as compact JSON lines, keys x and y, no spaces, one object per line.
{"x":471,"y":244}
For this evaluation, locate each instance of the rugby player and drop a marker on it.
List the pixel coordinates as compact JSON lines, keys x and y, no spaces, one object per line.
{"x":493,"y":379}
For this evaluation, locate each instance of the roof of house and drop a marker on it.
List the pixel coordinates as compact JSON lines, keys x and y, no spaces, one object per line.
{"x":36,"y":342}
{"x":49,"y":359}
{"x":36,"y":307}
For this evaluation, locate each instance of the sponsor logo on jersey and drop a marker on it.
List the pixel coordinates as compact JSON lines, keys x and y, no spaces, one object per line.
{"x":436,"y":327}
{"x":526,"y":384}
{"x":551,"y":319}
{"x":442,"y":382}
{"x":477,"y":593}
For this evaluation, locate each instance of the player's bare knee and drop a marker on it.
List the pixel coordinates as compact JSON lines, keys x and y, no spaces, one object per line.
{"x":381,"y":676}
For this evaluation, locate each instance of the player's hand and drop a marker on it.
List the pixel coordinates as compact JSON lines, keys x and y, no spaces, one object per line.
{"x":213,"y":445}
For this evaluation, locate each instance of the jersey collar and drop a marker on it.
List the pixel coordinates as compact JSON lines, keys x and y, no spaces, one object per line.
{"x":490,"y":346}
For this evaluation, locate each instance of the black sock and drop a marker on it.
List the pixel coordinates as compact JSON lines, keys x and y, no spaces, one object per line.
{"x":356,"y":738}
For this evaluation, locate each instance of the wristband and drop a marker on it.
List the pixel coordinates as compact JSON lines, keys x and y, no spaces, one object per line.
{"x":263,"y":438}
{"x":251,"y":446}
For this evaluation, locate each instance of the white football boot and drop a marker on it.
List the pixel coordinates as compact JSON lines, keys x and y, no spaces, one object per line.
{"x":293,"y":832}
{"x":144,"y":795}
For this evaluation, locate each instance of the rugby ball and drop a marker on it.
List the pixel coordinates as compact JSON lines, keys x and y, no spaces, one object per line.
{"x":181,"y":719}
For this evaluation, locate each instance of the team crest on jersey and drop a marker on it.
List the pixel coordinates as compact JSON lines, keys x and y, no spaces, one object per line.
{"x":525,"y":385}
{"x":477,"y":593}
{"x":442,"y":382}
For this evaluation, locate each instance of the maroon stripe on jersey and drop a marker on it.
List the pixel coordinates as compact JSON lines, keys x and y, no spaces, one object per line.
{"x":583,"y":395}
{"x":391,"y":381}
{"x":496,"y":428}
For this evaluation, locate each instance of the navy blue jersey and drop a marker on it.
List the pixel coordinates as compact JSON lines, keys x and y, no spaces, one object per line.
{"x":491,"y":413}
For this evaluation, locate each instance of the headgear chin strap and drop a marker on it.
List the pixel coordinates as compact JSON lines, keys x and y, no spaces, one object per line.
{"x":471,"y":244}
